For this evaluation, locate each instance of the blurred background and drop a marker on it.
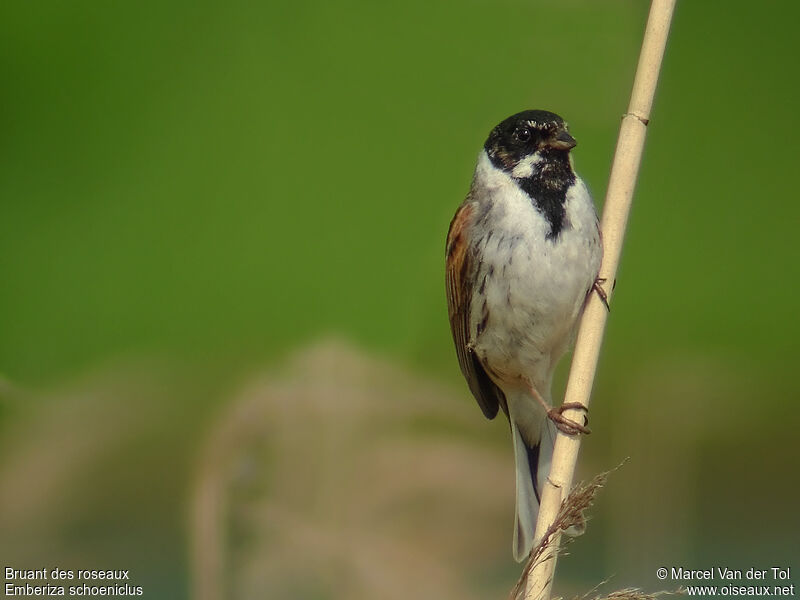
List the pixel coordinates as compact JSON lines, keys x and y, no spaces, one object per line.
{"x":225,"y":358}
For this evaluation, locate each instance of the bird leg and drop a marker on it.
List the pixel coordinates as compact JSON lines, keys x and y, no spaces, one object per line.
{"x":556,"y":415}
{"x":596,"y":287}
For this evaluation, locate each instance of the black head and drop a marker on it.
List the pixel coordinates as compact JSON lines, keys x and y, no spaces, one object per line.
{"x":533,"y":148}
{"x":526,"y":133}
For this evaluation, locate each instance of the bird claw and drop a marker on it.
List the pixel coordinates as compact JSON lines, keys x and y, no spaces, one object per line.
{"x":565,"y":425}
{"x":596,"y":287}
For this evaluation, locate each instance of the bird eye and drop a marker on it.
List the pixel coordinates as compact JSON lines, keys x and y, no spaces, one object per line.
{"x":523,"y":134}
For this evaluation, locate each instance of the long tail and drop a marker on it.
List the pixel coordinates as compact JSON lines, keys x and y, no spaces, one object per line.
{"x":532,"y":468}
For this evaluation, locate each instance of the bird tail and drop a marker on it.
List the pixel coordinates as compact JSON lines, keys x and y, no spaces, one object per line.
{"x":532,"y":467}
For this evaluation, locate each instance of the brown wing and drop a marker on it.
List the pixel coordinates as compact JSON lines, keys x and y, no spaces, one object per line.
{"x":460,"y":276}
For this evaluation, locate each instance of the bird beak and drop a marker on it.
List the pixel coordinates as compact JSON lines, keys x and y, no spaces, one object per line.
{"x":562,"y":141}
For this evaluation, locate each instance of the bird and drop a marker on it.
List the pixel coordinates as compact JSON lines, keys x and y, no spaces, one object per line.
{"x":523,"y":254}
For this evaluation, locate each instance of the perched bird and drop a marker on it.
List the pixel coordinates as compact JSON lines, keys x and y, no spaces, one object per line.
{"x":523,"y":253}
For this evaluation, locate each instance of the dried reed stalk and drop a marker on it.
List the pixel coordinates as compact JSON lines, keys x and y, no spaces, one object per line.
{"x":590,"y":334}
{"x":572,"y":513}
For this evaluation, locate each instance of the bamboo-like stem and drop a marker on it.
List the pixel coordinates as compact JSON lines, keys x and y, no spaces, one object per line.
{"x":621,"y":184}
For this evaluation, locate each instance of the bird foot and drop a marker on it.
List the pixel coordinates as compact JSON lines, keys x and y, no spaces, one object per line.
{"x":556,"y":415}
{"x":565,"y":425}
{"x":596,"y":287}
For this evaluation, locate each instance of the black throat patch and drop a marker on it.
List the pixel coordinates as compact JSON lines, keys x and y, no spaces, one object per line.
{"x":547,"y":187}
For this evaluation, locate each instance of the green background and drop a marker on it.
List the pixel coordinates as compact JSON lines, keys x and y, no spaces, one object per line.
{"x":216,"y":184}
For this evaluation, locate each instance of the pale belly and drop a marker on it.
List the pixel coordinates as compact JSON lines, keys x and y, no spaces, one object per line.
{"x":530,"y":293}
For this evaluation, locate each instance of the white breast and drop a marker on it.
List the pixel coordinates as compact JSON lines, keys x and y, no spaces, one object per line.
{"x":533,"y":288}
